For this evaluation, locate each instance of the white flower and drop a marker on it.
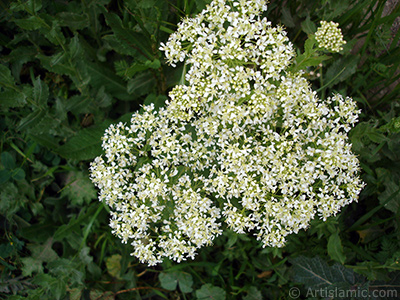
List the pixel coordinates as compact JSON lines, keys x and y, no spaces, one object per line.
{"x":330,"y":37}
{"x":245,"y":143}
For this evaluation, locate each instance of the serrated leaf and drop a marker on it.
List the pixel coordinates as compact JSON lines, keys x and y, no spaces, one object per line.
{"x":66,"y":269}
{"x":73,"y":20}
{"x":31,"y":266}
{"x":31,"y":120}
{"x":335,"y":249}
{"x":45,"y":140}
{"x":153,"y":64}
{"x":309,"y":45}
{"x":54,"y":33}
{"x":40,"y":254}
{"x":101,"y":75}
{"x":79,"y":189}
{"x":208,"y":291}
{"x":30,"y":23}
{"x":118,"y":46}
{"x":53,"y":286}
{"x":170,"y":280}
{"x":86,"y":144}
{"x":123,"y":70}
{"x":34,"y":5}
{"x":308,"y":26}
{"x":12,"y":98}
{"x":390,"y":182}
{"x":11,"y":199}
{"x":113,"y":264}
{"x":56,"y":64}
{"x":40,"y":92}
{"x":43,"y":252}
{"x":84,"y":256}
{"x":5,"y":76}
{"x":141,"y":85}
{"x":129,"y":37}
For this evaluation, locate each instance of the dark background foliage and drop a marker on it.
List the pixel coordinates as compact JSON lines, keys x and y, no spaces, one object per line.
{"x":68,"y":69}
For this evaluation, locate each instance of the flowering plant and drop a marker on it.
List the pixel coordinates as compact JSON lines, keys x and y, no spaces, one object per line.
{"x":245,"y":142}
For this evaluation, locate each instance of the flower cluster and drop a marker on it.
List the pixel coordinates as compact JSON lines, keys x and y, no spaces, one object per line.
{"x":245,"y":143}
{"x":330,"y":37}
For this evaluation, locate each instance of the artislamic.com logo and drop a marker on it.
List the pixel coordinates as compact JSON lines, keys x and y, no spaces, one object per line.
{"x":337,"y":293}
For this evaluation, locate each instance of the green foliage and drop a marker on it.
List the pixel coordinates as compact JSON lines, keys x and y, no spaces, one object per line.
{"x":170,"y":281}
{"x":70,"y":69}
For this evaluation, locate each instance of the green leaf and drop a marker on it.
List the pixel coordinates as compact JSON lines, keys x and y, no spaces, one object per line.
{"x":75,"y":294}
{"x":6,"y":250}
{"x":141,"y":85}
{"x":119,"y":46}
{"x":390,"y":196}
{"x":208,"y":291}
{"x":79,"y":189}
{"x":18,"y":174}
{"x":31,"y":120}
{"x":102,"y":98}
{"x":40,"y":92}
{"x":287,"y":17}
{"x":101,"y":75}
{"x":43,"y":252}
{"x":75,"y":21}
{"x":170,"y":280}
{"x":34,"y":5}
{"x":7,"y":160}
{"x":376,"y":136}
{"x":129,"y":37}
{"x":341,"y":69}
{"x":85,"y":257}
{"x":12,"y":98}
{"x":253,"y":294}
{"x":38,"y":232}
{"x":146,"y":3}
{"x":315,"y":273}
{"x":31,"y":23}
{"x":309,"y":45}
{"x":308,"y":26}
{"x":86,"y":144}
{"x":335,"y":249}
{"x":5,"y":176}
{"x":53,"y":33}
{"x":157,"y":100}
{"x":45,"y":140}
{"x":40,"y":254}
{"x":5,"y":76}
{"x":30,"y":266}
{"x":155,"y":64}
{"x":113,"y":264}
